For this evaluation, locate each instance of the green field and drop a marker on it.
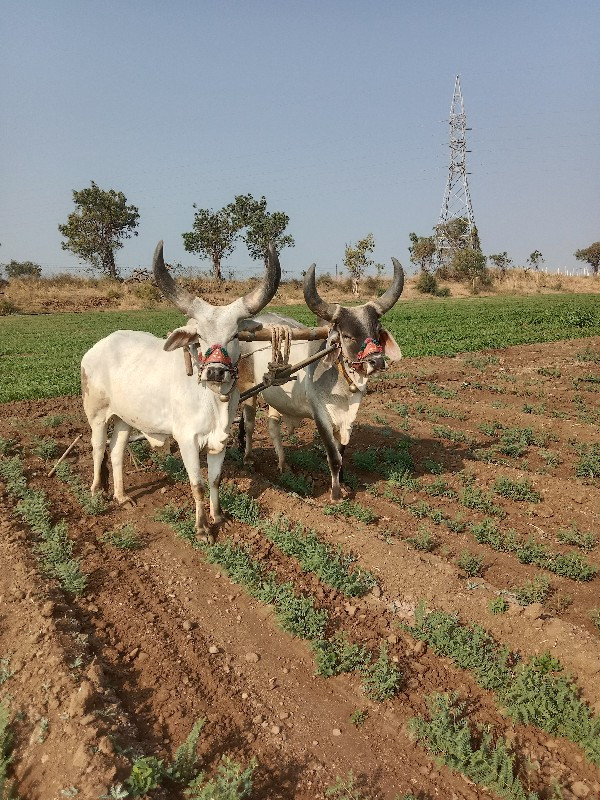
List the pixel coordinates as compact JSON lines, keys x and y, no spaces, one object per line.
{"x":40,"y":355}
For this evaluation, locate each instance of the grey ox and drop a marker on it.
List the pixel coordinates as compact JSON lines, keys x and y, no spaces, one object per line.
{"x":328,"y":391}
{"x":140,"y":382}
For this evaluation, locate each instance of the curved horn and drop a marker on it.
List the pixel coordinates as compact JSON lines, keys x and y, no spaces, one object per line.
{"x":257,"y":299}
{"x":390,"y":297}
{"x":316,"y":304}
{"x":176,"y":294}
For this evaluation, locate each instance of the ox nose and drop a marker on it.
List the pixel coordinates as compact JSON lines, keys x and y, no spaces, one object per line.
{"x":216,"y":373}
{"x":377,"y":363}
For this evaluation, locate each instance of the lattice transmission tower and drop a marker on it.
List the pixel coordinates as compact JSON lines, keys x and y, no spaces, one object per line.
{"x":457,"y":198}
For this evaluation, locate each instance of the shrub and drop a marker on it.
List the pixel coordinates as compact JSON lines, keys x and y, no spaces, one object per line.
{"x":23,"y":269}
{"x":427,"y":283}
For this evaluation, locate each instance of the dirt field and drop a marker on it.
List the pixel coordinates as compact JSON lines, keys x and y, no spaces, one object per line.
{"x":161,"y":637}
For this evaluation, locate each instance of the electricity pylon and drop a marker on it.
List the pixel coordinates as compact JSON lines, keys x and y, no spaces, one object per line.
{"x":457,"y":198}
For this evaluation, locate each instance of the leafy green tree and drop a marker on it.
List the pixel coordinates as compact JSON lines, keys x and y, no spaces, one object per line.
{"x":469,"y":264}
{"x":22,"y":269}
{"x":590,"y":254}
{"x":502,"y":262}
{"x":422,"y":251}
{"x":97,"y":227}
{"x":213,"y":236}
{"x":262,"y":226}
{"x":356,"y":257}
{"x":535,"y":259}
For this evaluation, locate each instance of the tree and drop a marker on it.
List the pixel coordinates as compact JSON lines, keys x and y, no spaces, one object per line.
{"x":96,"y":228}
{"x":213,"y":236}
{"x":22,"y":269}
{"x":590,"y":254}
{"x":356,"y":258}
{"x":422,"y":251}
{"x":469,"y":264}
{"x":502,"y":262}
{"x":535,"y":259}
{"x":262,"y":226}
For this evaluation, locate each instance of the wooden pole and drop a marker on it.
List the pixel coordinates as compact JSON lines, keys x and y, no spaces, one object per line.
{"x":65,"y":454}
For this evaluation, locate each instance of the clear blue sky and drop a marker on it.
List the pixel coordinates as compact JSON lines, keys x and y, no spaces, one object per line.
{"x":335,"y":110}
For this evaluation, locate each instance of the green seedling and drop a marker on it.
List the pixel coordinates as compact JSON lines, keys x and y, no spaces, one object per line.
{"x":471,"y":564}
{"x":498,"y":605}
{"x":125,"y":538}
{"x":45,"y":448}
{"x":381,"y":679}
{"x":359,"y":717}
{"x":519,"y":491}
{"x":350,"y":509}
{"x":447,"y":735}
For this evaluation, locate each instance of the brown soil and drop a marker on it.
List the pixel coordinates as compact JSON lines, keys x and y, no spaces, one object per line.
{"x":162,"y":637}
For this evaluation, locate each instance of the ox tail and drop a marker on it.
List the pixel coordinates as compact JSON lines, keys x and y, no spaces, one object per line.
{"x":242,"y":432}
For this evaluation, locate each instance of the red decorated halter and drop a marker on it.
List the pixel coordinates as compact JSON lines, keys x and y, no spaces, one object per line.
{"x":217,"y":354}
{"x":370,"y":347}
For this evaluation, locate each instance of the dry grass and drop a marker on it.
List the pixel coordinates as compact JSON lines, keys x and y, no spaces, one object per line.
{"x":69,"y":293}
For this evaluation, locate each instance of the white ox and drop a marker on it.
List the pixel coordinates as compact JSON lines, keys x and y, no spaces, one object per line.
{"x":328,"y":391}
{"x":140,"y":382}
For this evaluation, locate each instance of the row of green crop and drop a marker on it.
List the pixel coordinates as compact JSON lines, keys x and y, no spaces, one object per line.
{"x":40,"y":355}
{"x":53,"y":547}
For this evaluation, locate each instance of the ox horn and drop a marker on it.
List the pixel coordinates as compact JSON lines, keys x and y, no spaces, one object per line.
{"x":176,"y":294}
{"x":256,"y":300}
{"x":390,"y":297}
{"x":323,"y":310}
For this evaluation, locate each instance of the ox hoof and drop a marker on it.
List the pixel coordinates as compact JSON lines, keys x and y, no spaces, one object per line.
{"x":338,"y":495}
{"x":222,"y":518}
{"x":206,"y":536}
{"x":126,"y":501}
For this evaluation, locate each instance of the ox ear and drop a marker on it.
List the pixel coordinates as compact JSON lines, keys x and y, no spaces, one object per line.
{"x":180,"y":337}
{"x":390,"y":346}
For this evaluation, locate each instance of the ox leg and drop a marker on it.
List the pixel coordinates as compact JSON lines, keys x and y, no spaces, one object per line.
{"x":191,"y":459}
{"x":215,"y":467}
{"x":274,"y":424}
{"x":334,"y":458}
{"x":100,"y":480}
{"x":342,"y":448}
{"x":249,"y":414}
{"x":118,"y":443}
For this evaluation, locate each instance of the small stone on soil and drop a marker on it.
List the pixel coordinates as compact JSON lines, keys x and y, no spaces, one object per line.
{"x":336,"y":732}
{"x":252,"y":658}
{"x":213,"y":649}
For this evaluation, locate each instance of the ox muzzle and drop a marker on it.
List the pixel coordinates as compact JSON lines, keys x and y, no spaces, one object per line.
{"x":217,"y":369}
